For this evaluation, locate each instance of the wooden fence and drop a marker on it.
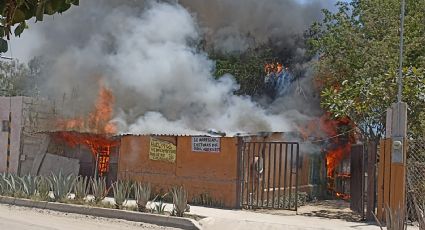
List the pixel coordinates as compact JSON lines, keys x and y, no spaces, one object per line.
{"x":391,"y":180}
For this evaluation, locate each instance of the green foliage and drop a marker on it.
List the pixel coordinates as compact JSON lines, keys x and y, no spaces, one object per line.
{"x":43,"y":187}
{"x":247,"y":68}
{"x":14,"y":185}
{"x":121,"y":191}
{"x":142,"y":193}
{"x":61,"y":185}
{"x":179,"y":200}
{"x":3,"y":46}
{"x":17,"y":12}
{"x":29,"y":185}
{"x":99,"y":189}
{"x":205,"y":199}
{"x":13,"y":77}
{"x":10,"y":185}
{"x":358,"y":61}
{"x":81,"y":187}
{"x":159,"y":203}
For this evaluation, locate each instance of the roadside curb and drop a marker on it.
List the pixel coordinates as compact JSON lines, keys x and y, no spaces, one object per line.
{"x":169,"y":221}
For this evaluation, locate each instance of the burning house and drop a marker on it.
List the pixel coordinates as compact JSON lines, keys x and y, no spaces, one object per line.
{"x":157,"y":98}
{"x":230,"y":170}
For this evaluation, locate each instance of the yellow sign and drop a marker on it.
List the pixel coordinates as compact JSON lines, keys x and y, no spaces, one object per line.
{"x":162,"y":151}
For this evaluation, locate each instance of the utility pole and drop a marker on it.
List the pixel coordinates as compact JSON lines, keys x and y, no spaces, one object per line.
{"x":396,"y":132}
{"x":400,"y":70}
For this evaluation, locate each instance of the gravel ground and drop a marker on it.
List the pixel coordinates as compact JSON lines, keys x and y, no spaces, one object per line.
{"x":14,"y":217}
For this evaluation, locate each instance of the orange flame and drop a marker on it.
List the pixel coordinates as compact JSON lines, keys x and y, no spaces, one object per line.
{"x":343,"y":196}
{"x":93,"y":131}
{"x":98,"y":121}
{"x":335,"y":156}
{"x":273,"y":68}
{"x":326,"y":129}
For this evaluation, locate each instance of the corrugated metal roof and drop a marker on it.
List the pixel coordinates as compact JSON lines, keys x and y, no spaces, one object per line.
{"x":206,"y":134}
{"x":169,"y":134}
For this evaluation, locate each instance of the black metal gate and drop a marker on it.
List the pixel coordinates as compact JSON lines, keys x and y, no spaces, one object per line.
{"x":269,"y":175}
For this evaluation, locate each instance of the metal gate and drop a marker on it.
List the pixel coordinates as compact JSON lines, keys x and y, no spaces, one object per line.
{"x":269,"y":175}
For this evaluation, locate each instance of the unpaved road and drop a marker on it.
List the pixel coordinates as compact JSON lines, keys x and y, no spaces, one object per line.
{"x":14,"y":217}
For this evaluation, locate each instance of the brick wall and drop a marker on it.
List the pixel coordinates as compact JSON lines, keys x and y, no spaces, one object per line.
{"x":199,"y":172}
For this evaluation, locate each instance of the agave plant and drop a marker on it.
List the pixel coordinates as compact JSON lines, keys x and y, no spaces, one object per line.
{"x":142,"y":193}
{"x":3,"y":184}
{"x":14,"y":187}
{"x":61,"y":185}
{"x":43,"y":187}
{"x":81,"y":187}
{"x":160,"y":207}
{"x":121,"y":191}
{"x":179,"y":200}
{"x":99,"y":189}
{"x":29,"y":185}
{"x":159,"y":203}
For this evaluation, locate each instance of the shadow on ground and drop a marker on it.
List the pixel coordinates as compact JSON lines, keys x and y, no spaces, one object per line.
{"x":330,"y":209}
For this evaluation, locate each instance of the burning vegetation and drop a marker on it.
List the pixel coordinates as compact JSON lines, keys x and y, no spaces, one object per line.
{"x":277,"y":80}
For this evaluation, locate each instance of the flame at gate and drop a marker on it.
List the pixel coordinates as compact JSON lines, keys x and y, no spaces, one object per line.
{"x":335,"y":143}
{"x":334,"y":157}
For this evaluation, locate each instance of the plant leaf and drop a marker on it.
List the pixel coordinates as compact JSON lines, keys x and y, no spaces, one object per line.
{"x":20,"y":28}
{"x":3,"y":46}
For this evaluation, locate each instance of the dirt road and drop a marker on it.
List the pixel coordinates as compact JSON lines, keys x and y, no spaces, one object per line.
{"x":14,"y":217}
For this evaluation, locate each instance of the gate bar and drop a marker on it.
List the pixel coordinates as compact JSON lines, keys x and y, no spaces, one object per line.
{"x":296,"y":177}
{"x":290,"y":176}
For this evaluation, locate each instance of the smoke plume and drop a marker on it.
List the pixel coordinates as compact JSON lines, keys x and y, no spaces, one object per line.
{"x":145,"y":52}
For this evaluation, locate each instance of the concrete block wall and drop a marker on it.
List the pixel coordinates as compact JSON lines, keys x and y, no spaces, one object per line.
{"x":13,"y":105}
{"x":29,"y":117}
{"x":37,"y":116}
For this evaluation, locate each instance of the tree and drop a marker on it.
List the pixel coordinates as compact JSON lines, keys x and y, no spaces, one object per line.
{"x":247,"y":68}
{"x":17,"y":12}
{"x":357,"y":48}
{"x":12,"y":78}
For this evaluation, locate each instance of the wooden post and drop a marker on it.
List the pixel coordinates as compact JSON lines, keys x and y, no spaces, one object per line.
{"x":398,"y":155}
{"x":392,"y":162}
{"x":391,"y":183}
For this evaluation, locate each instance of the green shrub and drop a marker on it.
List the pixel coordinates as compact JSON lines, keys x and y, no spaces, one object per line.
{"x":81,"y":187}
{"x":29,"y":185}
{"x":159,"y":203}
{"x":99,"y":189}
{"x":179,"y":200}
{"x":61,"y":186}
{"x":121,"y":191}
{"x":43,"y":187}
{"x":142,"y":193}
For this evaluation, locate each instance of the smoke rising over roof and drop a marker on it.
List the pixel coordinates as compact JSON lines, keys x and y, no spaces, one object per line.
{"x":240,"y":24}
{"x":145,"y":53}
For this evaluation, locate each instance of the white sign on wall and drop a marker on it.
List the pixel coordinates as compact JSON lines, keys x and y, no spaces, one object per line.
{"x":206,"y":144}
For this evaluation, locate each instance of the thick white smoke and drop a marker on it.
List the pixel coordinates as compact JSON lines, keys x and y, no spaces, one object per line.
{"x":161,"y":82}
{"x":155,"y":60}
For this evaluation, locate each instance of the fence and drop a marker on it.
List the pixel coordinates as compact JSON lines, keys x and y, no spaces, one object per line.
{"x":416,"y":179}
{"x":270,"y":175}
